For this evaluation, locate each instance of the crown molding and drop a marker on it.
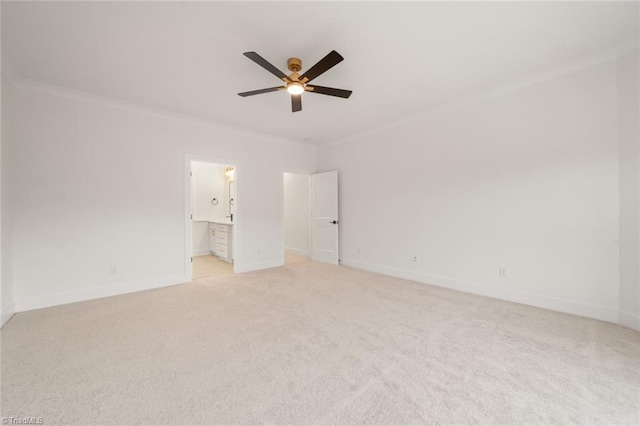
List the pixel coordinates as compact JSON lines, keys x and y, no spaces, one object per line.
{"x":13,"y":76}
{"x":514,"y":85}
{"x":82,"y":96}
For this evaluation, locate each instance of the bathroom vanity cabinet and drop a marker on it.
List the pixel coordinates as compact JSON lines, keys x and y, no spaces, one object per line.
{"x":221,"y":240}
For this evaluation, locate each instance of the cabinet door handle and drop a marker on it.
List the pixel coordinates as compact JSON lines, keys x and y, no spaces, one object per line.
{"x":335,"y":222}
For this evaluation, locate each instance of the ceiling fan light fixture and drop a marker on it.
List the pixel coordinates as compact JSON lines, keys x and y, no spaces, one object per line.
{"x":295,"y":88}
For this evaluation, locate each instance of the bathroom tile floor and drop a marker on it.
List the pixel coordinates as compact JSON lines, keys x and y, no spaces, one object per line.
{"x":210,"y":266}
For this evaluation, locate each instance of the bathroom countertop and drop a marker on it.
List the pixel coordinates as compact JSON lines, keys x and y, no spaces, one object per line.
{"x":221,"y":222}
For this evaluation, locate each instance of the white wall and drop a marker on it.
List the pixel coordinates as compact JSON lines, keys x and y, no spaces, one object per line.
{"x":6,"y":289}
{"x":209,"y":182}
{"x":200,"y":238}
{"x":296,"y":213}
{"x":628,"y":118}
{"x":100,"y":183}
{"x":527,"y":180}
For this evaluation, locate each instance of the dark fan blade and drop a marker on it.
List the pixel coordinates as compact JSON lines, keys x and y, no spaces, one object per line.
{"x":257,"y":92}
{"x":266,"y":65}
{"x":296,"y":103}
{"x":340,"y":93}
{"x":326,"y":63}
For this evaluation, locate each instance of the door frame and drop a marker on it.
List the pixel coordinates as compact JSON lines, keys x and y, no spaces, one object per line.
{"x":188,"y":237}
{"x":306,"y":172}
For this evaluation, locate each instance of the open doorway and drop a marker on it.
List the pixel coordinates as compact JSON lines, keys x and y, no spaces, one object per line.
{"x":212,"y":218}
{"x":296,"y":217}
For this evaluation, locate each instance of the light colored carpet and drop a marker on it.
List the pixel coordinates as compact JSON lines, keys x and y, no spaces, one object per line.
{"x":313,"y":343}
{"x":210,"y":266}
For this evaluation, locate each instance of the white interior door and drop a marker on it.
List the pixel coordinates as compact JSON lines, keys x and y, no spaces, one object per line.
{"x":324,"y":225}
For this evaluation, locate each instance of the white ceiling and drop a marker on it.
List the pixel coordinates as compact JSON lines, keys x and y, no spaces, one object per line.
{"x":400,"y":58}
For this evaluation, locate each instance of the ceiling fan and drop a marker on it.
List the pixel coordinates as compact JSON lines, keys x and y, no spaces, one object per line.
{"x":297,"y":84}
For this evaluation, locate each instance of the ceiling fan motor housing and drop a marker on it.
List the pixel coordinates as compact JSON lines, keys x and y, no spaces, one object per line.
{"x":294,"y":64}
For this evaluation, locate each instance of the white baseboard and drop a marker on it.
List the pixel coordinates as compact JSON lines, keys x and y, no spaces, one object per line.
{"x":97,"y":292}
{"x":602,"y":313}
{"x":296,"y":252}
{"x":201,"y":252}
{"x":630,"y":320}
{"x":7,"y":313}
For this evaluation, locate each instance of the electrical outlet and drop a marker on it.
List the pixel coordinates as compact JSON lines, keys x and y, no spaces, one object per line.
{"x":414,"y":259}
{"x":502,"y":271}
{"x":258,"y":252}
{"x":358,"y":250}
{"x":113,"y":270}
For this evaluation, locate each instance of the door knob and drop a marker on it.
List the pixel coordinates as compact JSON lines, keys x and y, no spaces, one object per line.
{"x":335,"y":222}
